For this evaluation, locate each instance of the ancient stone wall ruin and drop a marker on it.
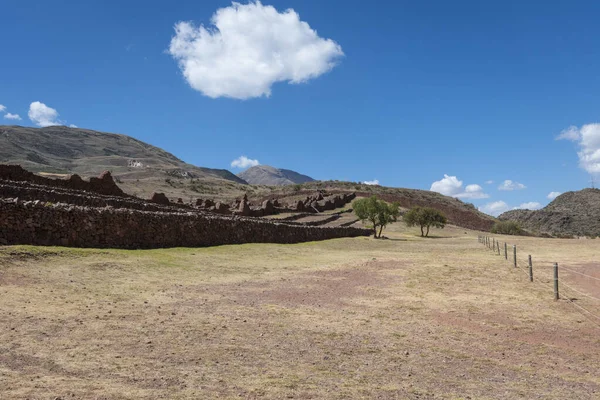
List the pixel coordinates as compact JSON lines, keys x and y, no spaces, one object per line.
{"x":39,"y":223}
{"x":41,"y":211}
{"x":104,"y":184}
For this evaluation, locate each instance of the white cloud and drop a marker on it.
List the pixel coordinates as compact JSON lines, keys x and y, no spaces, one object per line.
{"x":553,"y":195}
{"x":510,"y":185}
{"x":373,"y":182}
{"x":2,"y":108}
{"x":42,"y":115}
{"x":489,"y":182}
{"x":72,"y":126}
{"x":571,"y":133}
{"x":244,"y":162}
{"x":588,"y":139}
{"x":532,"y":205}
{"x":451,"y":186}
{"x":12,"y":116}
{"x":494,"y":208}
{"x":248,"y":49}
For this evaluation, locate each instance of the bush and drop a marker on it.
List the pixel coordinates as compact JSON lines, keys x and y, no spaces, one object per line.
{"x":507,"y":228}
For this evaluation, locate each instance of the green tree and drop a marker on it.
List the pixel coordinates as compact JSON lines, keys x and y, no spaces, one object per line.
{"x":377,"y":212}
{"x":507,"y":228}
{"x":425,"y":217}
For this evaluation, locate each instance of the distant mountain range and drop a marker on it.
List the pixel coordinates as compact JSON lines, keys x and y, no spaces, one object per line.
{"x":266,"y":175}
{"x":572,"y":213}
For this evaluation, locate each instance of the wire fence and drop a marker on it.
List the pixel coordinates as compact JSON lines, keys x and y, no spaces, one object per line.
{"x":547,"y":275}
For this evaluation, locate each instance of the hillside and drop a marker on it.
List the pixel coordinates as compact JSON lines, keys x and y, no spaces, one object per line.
{"x":572,"y":213}
{"x":459,"y":213}
{"x":267,"y":175}
{"x":140,"y":168}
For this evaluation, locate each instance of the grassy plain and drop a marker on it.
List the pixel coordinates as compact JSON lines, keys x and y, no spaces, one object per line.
{"x":402,"y":318}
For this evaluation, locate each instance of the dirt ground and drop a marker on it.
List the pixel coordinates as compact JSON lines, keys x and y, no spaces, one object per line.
{"x":402,"y":318}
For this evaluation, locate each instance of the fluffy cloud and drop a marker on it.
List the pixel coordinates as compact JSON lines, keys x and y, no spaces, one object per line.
{"x":588,"y":139}
{"x":248,"y":49}
{"x":42,"y":115}
{"x":553,"y":195}
{"x":451,"y":186}
{"x":510,"y":185}
{"x":2,"y":108}
{"x":532,"y":205}
{"x":373,"y":182}
{"x":12,"y":116}
{"x":494,"y":208}
{"x":244,"y":162}
{"x":489,"y":182}
{"x":72,"y":126}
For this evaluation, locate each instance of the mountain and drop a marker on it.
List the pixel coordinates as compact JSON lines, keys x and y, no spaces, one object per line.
{"x":266,"y":175}
{"x":570,"y":214}
{"x":139,"y":167}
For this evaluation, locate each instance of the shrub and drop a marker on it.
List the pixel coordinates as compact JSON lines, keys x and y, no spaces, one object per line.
{"x":507,"y":228}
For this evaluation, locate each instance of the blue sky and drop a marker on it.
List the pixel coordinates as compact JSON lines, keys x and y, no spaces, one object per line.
{"x":400,"y":92}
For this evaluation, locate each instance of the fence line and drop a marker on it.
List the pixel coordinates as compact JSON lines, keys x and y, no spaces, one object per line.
{"x":494,"y":245}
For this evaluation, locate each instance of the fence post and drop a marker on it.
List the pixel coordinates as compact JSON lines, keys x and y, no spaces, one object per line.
{"x":530,"y":269}
{"x":556,"y":296}
{"x":498,"y":243}
{"x":515,"y":254}
{"x":493,"y":244}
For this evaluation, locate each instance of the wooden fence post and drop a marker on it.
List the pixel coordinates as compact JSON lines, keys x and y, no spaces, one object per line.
{"x":515,"y":254}
{"x":498,"y":243}
{"x":530,"y":269}
{"x":505,"y":251}
{"x":556,"y":296}
{"x":493,"y":244}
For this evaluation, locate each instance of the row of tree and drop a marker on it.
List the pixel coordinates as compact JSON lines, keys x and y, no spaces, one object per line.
{"x":380,"y":213}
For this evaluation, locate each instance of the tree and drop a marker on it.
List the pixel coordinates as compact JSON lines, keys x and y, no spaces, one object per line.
{"x":425,"y":217}
{"x":377,"y":212}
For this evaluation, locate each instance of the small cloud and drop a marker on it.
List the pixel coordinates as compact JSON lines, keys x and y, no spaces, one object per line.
{"x":553,"y":195}
{"x":532,"y":205}
{"x":12,"y":116}
{"x":72,"y":126}
{"x":588,"y":140}
{"x":494,"y":208}
{"x":248,"y":48}
{"x":42,"y":115}
{"x":489,"y":182}
{"x":244,"y":162}
{"x":2,"y":108}
{"x":452,"y":186}
{"x":372,"y":183}
{"x":510,"y":185}
{"x":571,"y":133}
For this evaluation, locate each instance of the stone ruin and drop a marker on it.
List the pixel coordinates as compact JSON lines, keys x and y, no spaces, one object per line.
{"x":97,"y":213}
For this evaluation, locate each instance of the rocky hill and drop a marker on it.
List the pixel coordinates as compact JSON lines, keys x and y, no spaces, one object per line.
{"x":140,"y":168}
{"x":459,"y":213}
{"x":266,"y":175}
{"x":570,"y":214}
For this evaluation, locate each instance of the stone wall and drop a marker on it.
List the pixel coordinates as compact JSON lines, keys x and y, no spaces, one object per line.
{"x":39,"y":223}
{"x":104,"y":184}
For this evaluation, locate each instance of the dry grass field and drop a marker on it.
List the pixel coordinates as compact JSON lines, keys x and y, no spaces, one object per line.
{"x":403,"y":318}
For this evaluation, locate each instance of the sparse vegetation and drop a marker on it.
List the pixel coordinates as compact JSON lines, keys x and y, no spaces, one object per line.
{"x":425,"y":218}
{"x":507,"y":228}
{"x":377,"y":212}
